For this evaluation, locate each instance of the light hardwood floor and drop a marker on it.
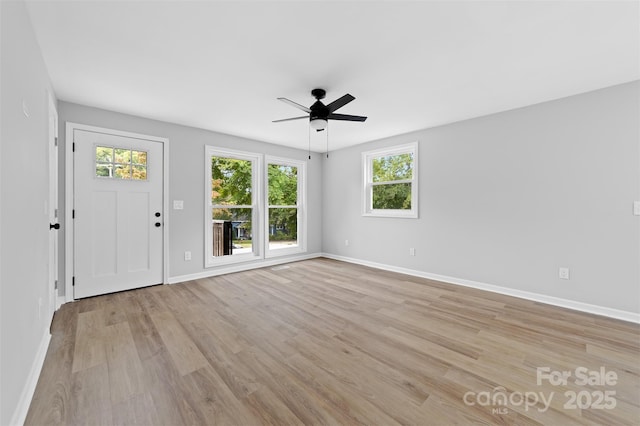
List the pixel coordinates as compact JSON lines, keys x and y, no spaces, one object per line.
{"x":326,"y":342}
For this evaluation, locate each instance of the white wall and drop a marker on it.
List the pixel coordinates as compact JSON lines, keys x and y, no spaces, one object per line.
{"x":186,"y":178}
{"x":508,"y":198}
{"x":24,"y":190}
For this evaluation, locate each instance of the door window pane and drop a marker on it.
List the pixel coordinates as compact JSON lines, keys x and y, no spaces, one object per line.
{"x":122,"y":156}
{"x":122,"y":171}
{"x":104,"y":154}
{"x":139,"y":157}
{"x":121,"y":163}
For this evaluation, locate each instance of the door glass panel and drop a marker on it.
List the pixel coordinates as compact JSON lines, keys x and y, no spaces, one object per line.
{"x":104,"y":154}
{"x":122,"y":171}
{"x":121,"y":163}
{"x":139,"y":173}
{"x":122,"y":156}
{"x":103,"y":170}
{"x":139,"y":157}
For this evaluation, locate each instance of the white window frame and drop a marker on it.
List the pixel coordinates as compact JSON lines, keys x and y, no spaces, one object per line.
{"x":301,"y":247}
{"x":368,"y":184}
{"x":256,"y":206}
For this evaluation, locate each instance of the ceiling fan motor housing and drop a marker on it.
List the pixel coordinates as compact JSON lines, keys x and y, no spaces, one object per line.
{"x":319,"y":110}
{"x":318,"y":93}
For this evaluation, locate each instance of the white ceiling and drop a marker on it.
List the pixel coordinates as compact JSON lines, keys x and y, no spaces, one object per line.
{"x":411,"y":65}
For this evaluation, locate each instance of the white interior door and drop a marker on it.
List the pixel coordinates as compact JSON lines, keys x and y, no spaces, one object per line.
{"x":118,"y":200}
{"x":54,"y":224}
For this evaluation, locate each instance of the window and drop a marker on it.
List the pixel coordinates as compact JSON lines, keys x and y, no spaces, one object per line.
{"x":121,"y":163}
{"x":232,"y":212}
{"x":391,"y":182}
{"x":285,"y":196}
{"x":251,"y":214}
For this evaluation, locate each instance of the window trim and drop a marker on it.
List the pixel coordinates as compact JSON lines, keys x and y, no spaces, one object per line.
{"x":301,"y":247}
{"x":368,"y":184}
{"x":256,"y":205}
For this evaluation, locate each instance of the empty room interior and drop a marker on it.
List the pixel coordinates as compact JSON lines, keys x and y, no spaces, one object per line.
{"x":319,"y":212}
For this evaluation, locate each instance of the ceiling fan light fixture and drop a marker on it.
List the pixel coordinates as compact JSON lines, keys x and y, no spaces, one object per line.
{"x":318,"y":123}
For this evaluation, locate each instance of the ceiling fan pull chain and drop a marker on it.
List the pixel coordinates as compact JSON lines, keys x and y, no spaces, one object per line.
{"x":327,"y":139}
{"x":309,"y":142}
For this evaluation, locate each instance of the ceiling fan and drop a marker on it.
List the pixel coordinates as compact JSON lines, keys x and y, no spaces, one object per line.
{"x":319,"y":113}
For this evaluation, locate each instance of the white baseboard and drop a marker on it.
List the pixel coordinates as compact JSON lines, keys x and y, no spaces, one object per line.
{"x":551,"y":300}
{"x":240,"y":267}
{"x":20,"y":413}
{"x":60,"y":300}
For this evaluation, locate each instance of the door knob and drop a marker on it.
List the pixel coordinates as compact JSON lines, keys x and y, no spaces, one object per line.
{"x":157,"y":214}
{"x":157,"y":224}
{"x":54,"y":226}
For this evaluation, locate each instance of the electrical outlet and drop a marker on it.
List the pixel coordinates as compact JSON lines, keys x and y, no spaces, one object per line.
{"x":187,"y":255}
{"x":178,"y":204}
{"x":412,"y":251}
{"x":563,"y":273}
{"x":346,"y":243}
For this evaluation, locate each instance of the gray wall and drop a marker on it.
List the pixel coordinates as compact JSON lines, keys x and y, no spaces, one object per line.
{"x":186,"y":178}
{"x":24,"y":189}
{"x":508,"y":198}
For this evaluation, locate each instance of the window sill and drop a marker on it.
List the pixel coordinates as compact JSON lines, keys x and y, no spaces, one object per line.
{"x":231,"y":259}
{"x":392,"y":214}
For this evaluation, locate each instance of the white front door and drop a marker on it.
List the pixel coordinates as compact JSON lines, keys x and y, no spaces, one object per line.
{"x":118,"y":200}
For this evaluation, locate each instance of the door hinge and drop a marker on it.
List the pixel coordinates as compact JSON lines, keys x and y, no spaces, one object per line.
{"x":55,"y":285}
{"x":73,"y":214}
{"x":55,"y":213}
{"x":56,"y":141}
{"x":73,"y":281}
{"x":73,"y":147}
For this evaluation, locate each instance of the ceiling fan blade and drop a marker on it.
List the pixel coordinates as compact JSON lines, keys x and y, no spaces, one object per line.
{"x":340,"y":102}
{"x":346,"y":117}
{"x":289,"y":119}
{"x":295,"y":104}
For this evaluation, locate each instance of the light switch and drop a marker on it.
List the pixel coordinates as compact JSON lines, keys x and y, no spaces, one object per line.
{"x":178,"y":204}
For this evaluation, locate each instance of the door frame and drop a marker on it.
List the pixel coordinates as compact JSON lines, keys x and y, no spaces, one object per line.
{"x":69,"y":199}
{"x":53,"y":207}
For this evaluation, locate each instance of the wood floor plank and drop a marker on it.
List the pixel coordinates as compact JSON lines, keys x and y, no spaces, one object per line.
{"x":326,"y":342}
{"x":184,"y":352}
{"x":89,"y":342}
{"x":137,"y":410}
{"x":90,"y":402}
{"x":125,"y":369}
